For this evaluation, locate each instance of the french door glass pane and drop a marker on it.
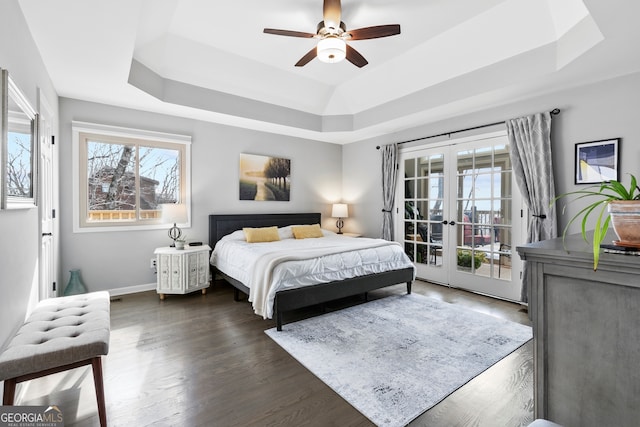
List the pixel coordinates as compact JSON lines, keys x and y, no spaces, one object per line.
{"x":424,"y":188}
{"x":484,"y":211}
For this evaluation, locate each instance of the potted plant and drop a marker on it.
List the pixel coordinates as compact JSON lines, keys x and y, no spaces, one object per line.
{"x":621,"y":202}
{"x":465,"y":257}
{"x":180,"y":242}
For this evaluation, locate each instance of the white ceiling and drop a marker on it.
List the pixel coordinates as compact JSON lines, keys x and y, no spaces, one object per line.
{"x":210,"y":60}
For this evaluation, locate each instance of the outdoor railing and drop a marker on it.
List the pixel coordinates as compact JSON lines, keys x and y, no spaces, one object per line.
{"x":124,"y":215}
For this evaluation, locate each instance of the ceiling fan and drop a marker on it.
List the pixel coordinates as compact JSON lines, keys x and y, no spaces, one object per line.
{"x":333,"y":35}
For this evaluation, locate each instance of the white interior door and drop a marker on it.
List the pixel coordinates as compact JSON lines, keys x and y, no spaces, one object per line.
{"x":45,"y":202}
{"x":463,"y":215}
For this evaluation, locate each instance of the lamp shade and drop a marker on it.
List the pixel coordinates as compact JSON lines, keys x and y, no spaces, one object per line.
{"x":340,"y":210}
{"x":174,"y":213}
{"x":331,"y":49}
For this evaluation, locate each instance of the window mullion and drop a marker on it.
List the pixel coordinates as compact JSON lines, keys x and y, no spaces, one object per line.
{"x":137,"y":182}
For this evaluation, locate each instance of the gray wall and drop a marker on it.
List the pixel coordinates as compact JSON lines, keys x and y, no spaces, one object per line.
{"x":20,"y":228}
{"x":598,"y":111}
{"x":114,"y":260}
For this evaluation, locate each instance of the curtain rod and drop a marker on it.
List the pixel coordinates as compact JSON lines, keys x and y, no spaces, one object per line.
{"x":553,"y":112}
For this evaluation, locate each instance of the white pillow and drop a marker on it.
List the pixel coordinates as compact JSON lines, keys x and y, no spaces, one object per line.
{"x":236,"y":235}
{"x":285,"y":232}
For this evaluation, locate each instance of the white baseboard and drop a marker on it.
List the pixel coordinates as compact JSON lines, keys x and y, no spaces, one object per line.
{"x":132,"y":289}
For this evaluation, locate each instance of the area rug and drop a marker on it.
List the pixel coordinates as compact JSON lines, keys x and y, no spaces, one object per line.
{"x":396,"y":357}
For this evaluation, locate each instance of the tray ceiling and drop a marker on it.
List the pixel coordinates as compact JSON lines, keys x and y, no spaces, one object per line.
{"x":211,"y":61}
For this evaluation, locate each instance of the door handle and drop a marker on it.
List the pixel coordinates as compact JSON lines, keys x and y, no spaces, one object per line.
{"x":47,"y":234}
{"x":452,"y":223}
{"x":445,"y":222}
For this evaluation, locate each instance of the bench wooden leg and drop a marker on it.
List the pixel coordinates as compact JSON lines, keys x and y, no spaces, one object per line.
{"x":96,"y":364}
{"x":9,"y":392}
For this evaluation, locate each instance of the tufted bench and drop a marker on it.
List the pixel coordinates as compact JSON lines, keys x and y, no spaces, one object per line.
{"x":60,"y":334}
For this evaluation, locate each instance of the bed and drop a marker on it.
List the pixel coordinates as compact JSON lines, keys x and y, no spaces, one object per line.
{"x":294,"y":298}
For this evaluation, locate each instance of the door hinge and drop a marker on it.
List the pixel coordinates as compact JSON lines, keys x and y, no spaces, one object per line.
{"x":521,"y":213}
{"x":53,"y":140}
{"x":53,"y":213}
{"x":54,"y":286}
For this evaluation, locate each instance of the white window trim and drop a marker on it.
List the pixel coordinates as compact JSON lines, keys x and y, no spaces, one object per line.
{"x":84,"y":127}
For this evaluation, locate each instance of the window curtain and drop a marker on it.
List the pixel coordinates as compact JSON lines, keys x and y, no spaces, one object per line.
{"x":389,"y":179}
{"x":530,"y":139}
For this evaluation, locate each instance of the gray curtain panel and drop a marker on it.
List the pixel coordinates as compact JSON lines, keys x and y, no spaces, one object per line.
{"x":530,"y":139}
{"x":389,"y":179}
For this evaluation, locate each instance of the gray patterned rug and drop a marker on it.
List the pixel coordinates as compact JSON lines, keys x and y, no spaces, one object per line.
{"x":396,"y":357}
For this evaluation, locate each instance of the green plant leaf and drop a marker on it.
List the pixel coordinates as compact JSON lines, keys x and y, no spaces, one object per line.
{"x":633,"y":188}
{"x":602,"y":194}
{"x":619,"y":190}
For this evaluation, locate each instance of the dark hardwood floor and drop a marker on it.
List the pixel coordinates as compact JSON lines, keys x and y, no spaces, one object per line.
{"x":204,"y":360}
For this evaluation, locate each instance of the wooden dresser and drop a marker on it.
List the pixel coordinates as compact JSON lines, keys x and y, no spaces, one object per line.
{"x":586,"y":328}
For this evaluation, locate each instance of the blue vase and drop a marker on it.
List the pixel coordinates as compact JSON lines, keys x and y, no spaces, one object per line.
{"x":75,"y":285}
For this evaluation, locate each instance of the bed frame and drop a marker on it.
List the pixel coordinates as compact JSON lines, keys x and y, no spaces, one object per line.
{"x":291,"y":299}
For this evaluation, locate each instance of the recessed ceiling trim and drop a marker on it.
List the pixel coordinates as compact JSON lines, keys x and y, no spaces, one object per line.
{"x":187,"y":95}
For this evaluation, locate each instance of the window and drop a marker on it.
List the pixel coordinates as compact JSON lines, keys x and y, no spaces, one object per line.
{"x":18,"y":134}
{"x":124,"y":176}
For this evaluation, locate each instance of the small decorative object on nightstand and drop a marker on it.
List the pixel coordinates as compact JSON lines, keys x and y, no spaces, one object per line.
{"x":179,"y":243}
{"x":182,"y":271}
{"x":340,"y":211}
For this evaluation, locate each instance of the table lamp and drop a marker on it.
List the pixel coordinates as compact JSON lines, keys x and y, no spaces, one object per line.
{"x":174,"y":213}
{"x":340,"y":211}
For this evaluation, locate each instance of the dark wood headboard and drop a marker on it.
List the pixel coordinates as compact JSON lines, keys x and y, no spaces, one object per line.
{"x":221,"y":225}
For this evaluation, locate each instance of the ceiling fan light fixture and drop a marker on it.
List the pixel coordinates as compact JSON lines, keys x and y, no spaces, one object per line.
{"x":331,"y":50}
{"x":332,"y":33}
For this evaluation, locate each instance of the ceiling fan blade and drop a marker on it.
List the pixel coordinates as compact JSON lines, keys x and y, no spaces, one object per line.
{"x":331,"y":13}
{"x":355,"y":58}
{"x":307,"y":58}
{"x":374,"y":32}
{"x":288,"y":33}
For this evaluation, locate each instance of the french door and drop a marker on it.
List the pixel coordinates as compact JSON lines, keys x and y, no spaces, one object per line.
{"x":462,"y":215}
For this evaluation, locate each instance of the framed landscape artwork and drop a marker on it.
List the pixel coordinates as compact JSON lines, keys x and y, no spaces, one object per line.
{"x":597,"y":161}
{"x":264,"y":178}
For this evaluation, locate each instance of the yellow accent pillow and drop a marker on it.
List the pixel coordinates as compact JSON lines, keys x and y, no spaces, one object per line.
{"x":264,"y":234}
{"x":307,"y":231}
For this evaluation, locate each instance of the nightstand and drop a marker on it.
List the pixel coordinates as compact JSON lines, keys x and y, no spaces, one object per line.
{"x":181,"y":271}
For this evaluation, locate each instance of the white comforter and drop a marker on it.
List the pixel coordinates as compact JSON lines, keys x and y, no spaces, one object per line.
{"x":266,"y":268}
